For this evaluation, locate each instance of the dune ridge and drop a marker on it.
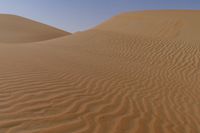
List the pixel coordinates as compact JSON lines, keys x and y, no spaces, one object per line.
{"x":16,"y":29}
{"x":168,"y":24}
{"x":101,"y":81}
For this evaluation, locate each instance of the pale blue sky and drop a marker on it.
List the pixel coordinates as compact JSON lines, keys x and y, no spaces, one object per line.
{"x":77,"y":15}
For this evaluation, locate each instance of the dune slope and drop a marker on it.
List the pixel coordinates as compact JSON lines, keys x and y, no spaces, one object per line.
{"x":101,"y":81}
{"x":15,"y":29}
{"x":169,"y":24}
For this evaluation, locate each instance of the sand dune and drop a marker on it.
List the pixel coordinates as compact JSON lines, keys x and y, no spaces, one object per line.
{"x":104,"y":80}
{"x":15,"y":29}
{"x":179,"y":25}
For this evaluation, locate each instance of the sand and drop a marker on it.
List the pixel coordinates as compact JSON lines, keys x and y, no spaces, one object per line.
{"x":114,"y":78}
{"x":16,"y":29}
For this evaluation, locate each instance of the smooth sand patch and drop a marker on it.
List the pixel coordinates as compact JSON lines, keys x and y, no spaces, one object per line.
{"x":15,"y":29}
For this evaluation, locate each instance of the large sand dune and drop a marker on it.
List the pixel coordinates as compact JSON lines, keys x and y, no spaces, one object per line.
{"x":15,"y":29}
{"x":180,"y":25}
{"x":105,"y":80}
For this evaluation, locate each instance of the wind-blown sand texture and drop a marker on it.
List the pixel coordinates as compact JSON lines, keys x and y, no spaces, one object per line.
{"x":136,"y":73}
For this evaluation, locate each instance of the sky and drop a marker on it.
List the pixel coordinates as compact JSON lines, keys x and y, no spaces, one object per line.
{"x":79,"y":15}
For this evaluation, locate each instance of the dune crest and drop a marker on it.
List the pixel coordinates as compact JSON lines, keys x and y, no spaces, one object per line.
{"x":16,"y":29}
{"x":168,"y":24}
{"x":105,"y":80}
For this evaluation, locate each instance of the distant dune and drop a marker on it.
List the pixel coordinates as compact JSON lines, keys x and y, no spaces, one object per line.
{"x":16,"y":29}
{"x":136,"y":73}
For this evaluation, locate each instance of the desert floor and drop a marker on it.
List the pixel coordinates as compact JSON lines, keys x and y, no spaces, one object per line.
{"x":135,"y":73}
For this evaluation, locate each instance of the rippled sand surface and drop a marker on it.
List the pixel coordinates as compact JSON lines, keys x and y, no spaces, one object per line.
{"x":135,"y":73}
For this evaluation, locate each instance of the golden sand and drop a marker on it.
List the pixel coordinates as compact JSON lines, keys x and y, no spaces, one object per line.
{"x":136,"y":73}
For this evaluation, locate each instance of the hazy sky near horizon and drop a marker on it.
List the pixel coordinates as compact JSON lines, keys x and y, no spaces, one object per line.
{"x":78,"y":15}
